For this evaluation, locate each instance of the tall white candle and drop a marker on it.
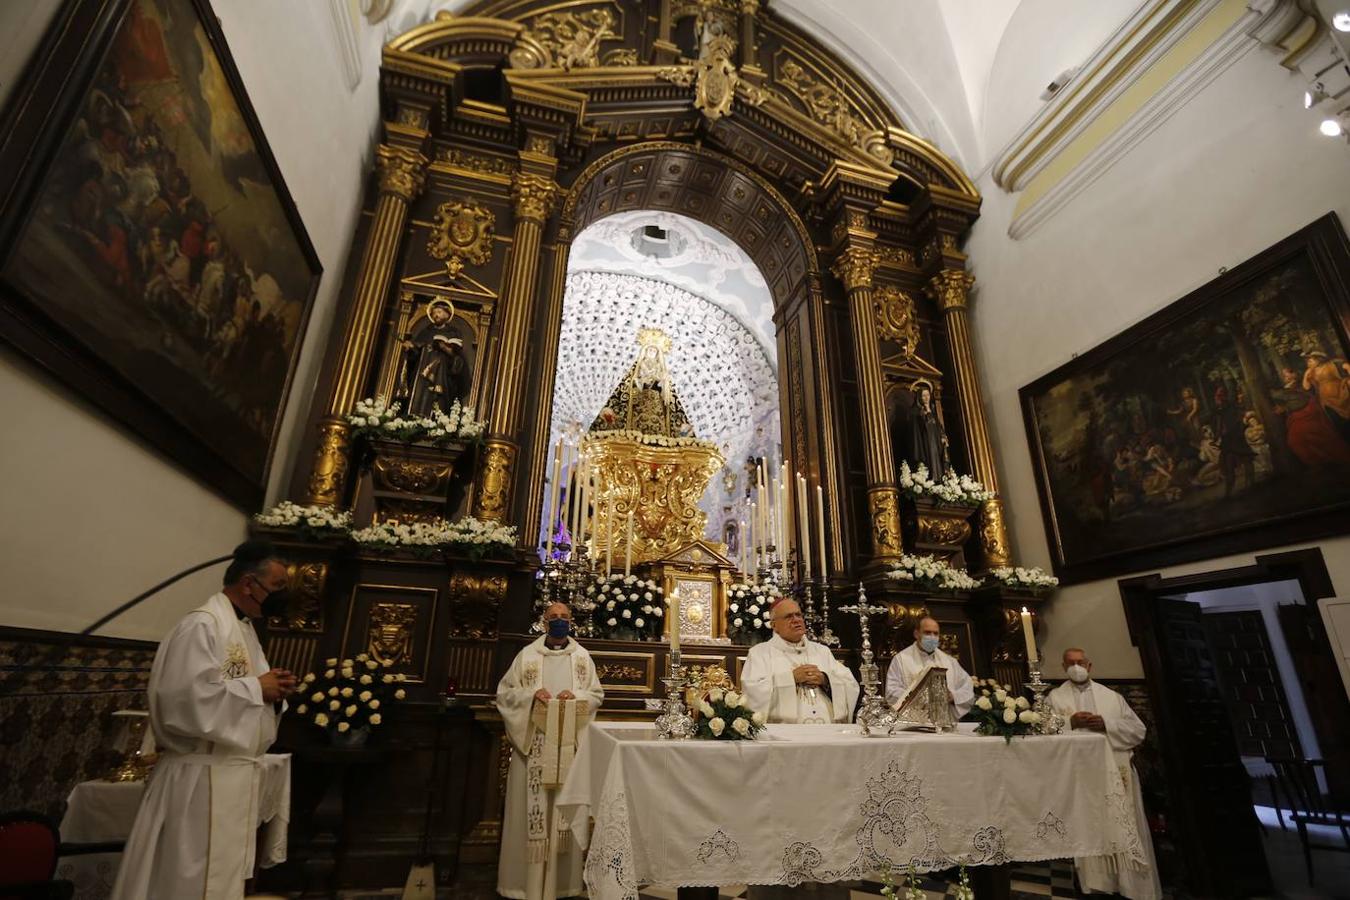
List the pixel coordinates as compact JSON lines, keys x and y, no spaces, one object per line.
{"x":609,"y":539}
{"x":628,"y":548}
{"x":583,"y":479}
{"x":553,"y":488}
{"x":673,"y":619}
{"x":745,"y":550}
{"x":1032,"y":655}
{"x":820,"y":521}
{"x":782,"y":525}
{"x":803,"y":527}
{"x":754,"y":530}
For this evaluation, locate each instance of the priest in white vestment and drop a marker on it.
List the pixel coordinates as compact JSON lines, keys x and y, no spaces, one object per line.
{"x":791,"y":679}
{"x":1085,"y":704}
{"x":910,"y":663}
{"x":539,"y":856}
{"x":214,"y":706}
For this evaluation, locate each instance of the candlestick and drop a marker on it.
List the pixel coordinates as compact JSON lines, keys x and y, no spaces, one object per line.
{"x":820,"y":521}
{"x":553,"y":498}
{"x":1032,"y":655}
{"x":673,"y":620}
{"x":628,"y":549}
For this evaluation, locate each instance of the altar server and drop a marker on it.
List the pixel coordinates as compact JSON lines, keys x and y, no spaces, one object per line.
{"x":214,"y":705}
{"x":909,"y":664}
{"x":791,"y":679}
{"x":539,"y":856}
{"x":1089,"y":706}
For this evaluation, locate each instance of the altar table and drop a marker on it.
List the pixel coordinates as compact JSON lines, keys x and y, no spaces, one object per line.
{"x":98,"y":811}
{"x":823,"y":803}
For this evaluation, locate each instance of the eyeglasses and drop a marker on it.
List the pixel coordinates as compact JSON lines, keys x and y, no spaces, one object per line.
{"x":795,"y":615}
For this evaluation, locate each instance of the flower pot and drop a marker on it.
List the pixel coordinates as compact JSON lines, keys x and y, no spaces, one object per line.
{"x":350,"y":739}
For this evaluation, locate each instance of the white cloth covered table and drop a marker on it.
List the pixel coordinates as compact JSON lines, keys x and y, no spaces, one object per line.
{"x":98,"y":811}
{"x":823,"y":803}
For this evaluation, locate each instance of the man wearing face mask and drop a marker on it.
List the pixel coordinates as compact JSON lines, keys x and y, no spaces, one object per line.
{"x":1089,"y":706}
{"x":910,"y":663}
{"x":539,"y":858}
{"x":214,"y":706}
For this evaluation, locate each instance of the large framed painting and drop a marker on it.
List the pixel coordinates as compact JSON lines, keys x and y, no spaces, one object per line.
{"x":1218,"y":425}
{"x":150,"y":254}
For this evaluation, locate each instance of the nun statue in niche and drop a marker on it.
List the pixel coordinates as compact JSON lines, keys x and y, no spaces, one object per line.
{"x":920,"y":438}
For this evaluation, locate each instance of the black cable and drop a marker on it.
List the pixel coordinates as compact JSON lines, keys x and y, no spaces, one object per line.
{"x":135,"y":601}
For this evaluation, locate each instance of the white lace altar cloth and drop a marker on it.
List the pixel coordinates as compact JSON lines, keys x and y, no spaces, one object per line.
{"x":823,"y":803}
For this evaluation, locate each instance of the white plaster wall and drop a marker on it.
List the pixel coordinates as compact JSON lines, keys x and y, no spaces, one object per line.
{"x":1237,"y":169}
{"x":91,"y":515}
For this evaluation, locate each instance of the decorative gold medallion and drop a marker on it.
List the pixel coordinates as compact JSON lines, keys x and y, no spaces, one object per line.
{"x":462,"y":232}
{"x":236,"y":663}
{"x":390,"y":637}
{"x":896,"y":320}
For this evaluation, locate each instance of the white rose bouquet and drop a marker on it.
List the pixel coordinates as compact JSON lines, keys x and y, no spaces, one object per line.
{"x":932,"y":573}
{"x":1034,"y":579}
{"x":961,"y":490}
{"x":467,"y":536}
{"x":312,"y":521}
{"x":748,"y":608}
{"x":1001,"y":713}
{"x":348,"y":698}
{"x":626,"y":607}
{"x":723,"y":715}
{"x":376,"y":419}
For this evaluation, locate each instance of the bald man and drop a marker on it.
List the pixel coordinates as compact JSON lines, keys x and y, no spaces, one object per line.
{"x":791,"y":679}
{"x":536,"y":860}
{"x":910,"y":663}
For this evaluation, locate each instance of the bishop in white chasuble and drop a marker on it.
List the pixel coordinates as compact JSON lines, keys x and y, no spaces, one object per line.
{"x":791,"y":679}
{"x":540,"y":858}
{"x":214,"y":707}
{"x":908,"y":665}
{"x":1085,"y":704}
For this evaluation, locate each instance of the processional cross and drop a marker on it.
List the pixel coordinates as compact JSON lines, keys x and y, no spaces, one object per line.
{"x":874,"y":713}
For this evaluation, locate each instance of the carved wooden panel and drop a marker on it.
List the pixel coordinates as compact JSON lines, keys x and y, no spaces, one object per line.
{"x":393,"y":622}
{"x":626,"y":673}
{"x":475,"y":598}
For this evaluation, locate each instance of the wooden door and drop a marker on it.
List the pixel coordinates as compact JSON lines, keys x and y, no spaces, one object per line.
{"x":1318,"y":676}
{"x":1210,"y":799}
{"x":1257,"y":706}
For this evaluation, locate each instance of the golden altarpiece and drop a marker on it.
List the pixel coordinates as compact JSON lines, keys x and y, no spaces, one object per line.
{"x":505,"y":132}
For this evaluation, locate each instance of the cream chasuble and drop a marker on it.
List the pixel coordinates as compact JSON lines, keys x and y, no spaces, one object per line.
{"x":1124,"y":731}
{"x":539,"y":857}
{"x":909,"y":664}
{"x":195,"y":832}
{"x":770,"y":688}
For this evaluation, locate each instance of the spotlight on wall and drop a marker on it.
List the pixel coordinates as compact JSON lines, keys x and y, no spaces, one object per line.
{"x":1332,"y":128}
{"x":1341,"y":20}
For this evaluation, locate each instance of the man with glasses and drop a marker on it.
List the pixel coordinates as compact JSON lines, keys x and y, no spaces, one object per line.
{"x":791,"y":679}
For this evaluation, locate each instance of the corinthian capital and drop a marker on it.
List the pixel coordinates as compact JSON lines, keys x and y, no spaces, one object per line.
{"x":855,"y":266}
{"x":401,"y":171}
{"x":533,"y":196}
{"x":950,"y":288}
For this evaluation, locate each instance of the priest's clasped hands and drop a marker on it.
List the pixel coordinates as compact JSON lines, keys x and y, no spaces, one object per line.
{"x":1090,"y":721}
{"x":808,"y":674}
{"x":543,"y":696}
{"x":277,"y":684}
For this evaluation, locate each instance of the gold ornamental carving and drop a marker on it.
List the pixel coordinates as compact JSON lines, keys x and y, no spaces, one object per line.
{"x":951,"y":288}
{"x":475,"y":162}
{"x":461,"y":232}
{"x":830,"y":108}
{"x":411,"y":476}
{"x":949,"y":643}
{"x":855,"y":267}
{"x":619,"y":672}
{"x":896,"y":319}
{"x":494,"y":486}
{"x":884,"y":512}
{"x":328,"y":476}
{"x":304,"y":612}
{"x":474,"y":601}
{"x":942,"y":530}
{"x":994,"y":534}
{"x":564,"y":40}
{"x":390,"y":638}
{"x":400,"y":171}
{"x":534,"y":196}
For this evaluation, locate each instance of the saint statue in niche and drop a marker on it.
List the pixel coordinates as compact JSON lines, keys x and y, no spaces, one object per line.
{"x":435,"y":371}
{"x":921,"y":439}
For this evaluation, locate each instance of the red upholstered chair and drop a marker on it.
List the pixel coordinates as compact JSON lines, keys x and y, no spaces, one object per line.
{"x":28,"y":849}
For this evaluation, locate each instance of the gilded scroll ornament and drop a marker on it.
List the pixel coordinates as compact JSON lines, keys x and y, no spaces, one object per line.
{"x":994,"y":534}
{"x":328,"y":476}
{"x":304,"y":612}
{"x":896,"y":319}
{"x":564,"y":40}
{"x":461,"y":232}
{"x":855,"y":267}
{"x":411,"y":476}
{"x":948,"y":531}
{"x":951,"y":288}
{"x":829,"y":107}
{"x":534,"y":196}
{"x":494,"y":485}
{"x":475,"y":162}
{"x":390,"y":638}
{"x":884,"y":511}
{"x":400,"y":172}
{"x":474,"y":601}
{"x":618,"y":672}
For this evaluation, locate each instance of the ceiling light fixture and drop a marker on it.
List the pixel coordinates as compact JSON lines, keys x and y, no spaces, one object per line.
{"x":1341,"y":20}
{"x":1331,"y":128}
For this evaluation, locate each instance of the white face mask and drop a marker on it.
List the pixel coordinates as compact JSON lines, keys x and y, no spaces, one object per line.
{"x":1077,"y":674}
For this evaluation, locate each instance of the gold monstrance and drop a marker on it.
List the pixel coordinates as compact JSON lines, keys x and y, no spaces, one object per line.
{"x":648,"y":461}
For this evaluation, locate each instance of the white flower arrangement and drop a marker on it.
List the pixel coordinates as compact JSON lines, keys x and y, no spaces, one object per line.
{"x":748,"y":612}
{"x":318,"y":520}
{"x":999,"y":712}
{"x":1034,"y":578}
{"x":931,"y":572}
{"x":471,"y":536}
{"x":339,"y":703}
{"x":378,"y":419}
{"x":726,"y":716}
{"x":626,"y":603}
{"x":650,"y":440}
{"x":959,"y":489}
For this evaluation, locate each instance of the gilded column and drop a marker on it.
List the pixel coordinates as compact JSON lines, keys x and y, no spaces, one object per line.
{"x":533,"y":193}
{"x":951,"y":289}
{"x":854,"y":267}
{"x":401,"y":177}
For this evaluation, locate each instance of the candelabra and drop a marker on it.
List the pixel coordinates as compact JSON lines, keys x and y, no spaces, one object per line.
{"x":826,"y":637}
{"x":874,"y":713}
{"x":674,"y":724}
{"x":1051,"y":722}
